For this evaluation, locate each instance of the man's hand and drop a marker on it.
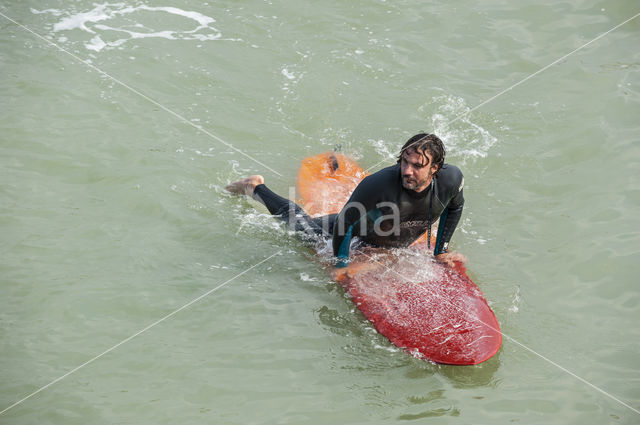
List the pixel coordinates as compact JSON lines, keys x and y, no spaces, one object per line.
{"x":352,"y":269}
{"x":450,"y":258}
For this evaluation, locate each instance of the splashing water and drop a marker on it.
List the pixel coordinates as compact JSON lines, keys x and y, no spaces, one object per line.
{"x":385,"y":150}
{"x":515,"y":302}
{"x":467,"y":140}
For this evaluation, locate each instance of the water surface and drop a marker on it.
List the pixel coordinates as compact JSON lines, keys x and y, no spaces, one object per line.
{"x":112,"y":211}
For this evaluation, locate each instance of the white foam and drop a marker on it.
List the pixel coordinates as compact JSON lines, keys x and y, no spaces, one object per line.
{"x":288,"y":74}
{"x":54,"y":12}
{"x":306,"y":278}
{"x":95,"y":22}
{"x":80,"y":19}
{"x":96,"y":44}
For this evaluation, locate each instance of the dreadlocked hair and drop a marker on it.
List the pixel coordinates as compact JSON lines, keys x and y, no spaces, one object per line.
{"x":425,"y":142}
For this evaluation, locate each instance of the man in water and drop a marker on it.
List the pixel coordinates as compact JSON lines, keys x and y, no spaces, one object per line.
{"x":390,"y":208}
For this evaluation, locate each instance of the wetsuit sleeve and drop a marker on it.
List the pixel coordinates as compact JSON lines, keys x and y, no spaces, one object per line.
{"x":449,"y":220}
{"x":352,"y":219}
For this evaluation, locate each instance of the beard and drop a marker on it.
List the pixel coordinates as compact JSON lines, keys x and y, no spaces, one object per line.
{"x":410,"y":183}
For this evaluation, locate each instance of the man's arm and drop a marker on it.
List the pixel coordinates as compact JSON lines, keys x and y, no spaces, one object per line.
{"x":449,"y":220}
{"x":352,"y":219}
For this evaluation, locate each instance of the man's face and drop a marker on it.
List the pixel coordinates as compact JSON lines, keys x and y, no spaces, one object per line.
{"x":417,"y":170}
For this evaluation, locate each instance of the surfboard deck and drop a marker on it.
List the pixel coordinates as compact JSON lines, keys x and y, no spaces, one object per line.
{"x":432,"y":311}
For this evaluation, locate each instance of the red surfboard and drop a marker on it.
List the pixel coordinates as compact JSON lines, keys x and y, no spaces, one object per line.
{"x":433,"y":311}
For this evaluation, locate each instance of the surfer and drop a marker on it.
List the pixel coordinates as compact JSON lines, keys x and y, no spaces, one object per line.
{"x":390,"y":208}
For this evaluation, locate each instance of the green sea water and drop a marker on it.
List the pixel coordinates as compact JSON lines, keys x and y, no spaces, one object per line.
{"x":116,"y":142}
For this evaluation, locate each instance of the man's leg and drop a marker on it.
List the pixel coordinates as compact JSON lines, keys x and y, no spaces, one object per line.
{"x":286,"y":210}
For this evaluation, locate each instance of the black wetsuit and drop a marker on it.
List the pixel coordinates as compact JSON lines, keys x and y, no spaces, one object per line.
{"x":381,"y":211}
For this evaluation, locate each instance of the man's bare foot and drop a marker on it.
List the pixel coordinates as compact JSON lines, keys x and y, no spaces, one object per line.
{"x":245,"y":186}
